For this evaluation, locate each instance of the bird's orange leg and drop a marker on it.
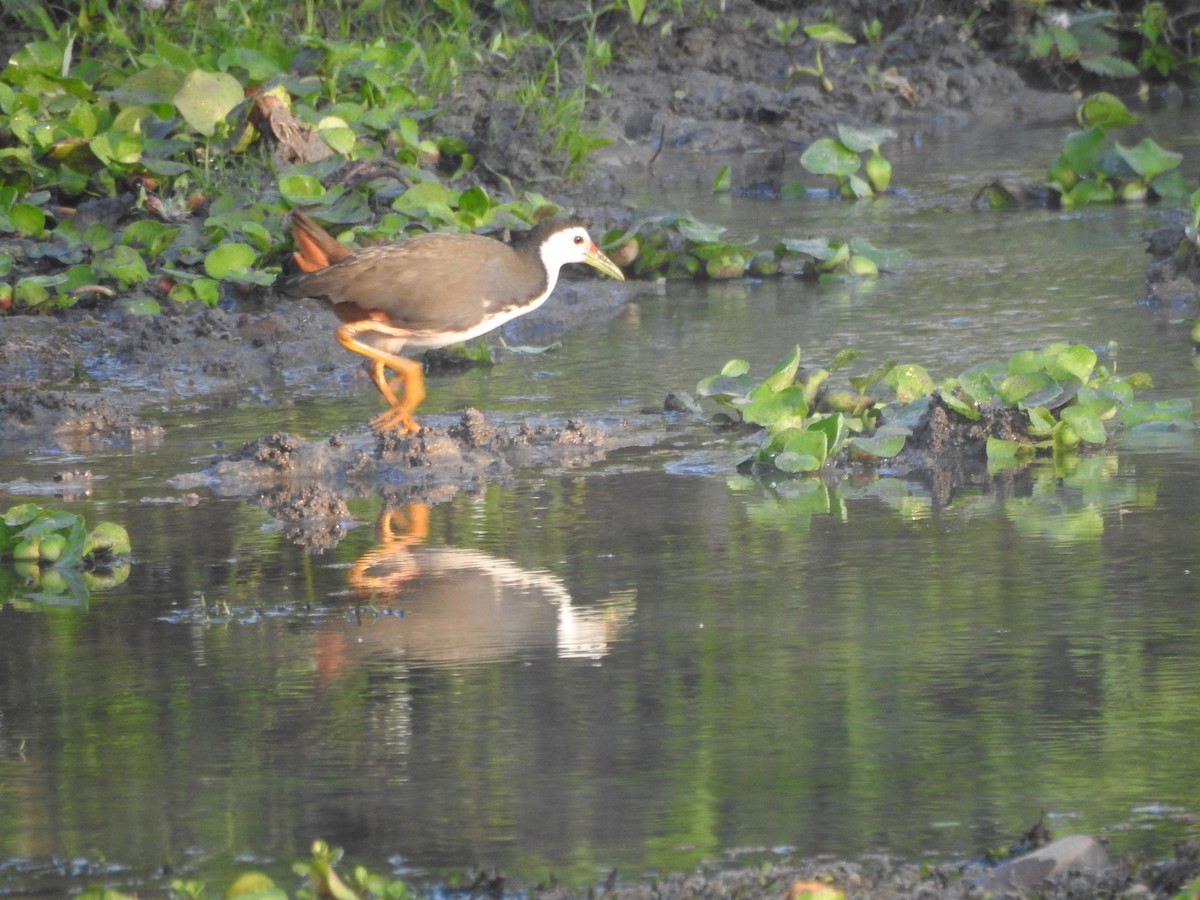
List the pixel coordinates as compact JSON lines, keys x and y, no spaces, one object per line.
{"x":409,"y":371}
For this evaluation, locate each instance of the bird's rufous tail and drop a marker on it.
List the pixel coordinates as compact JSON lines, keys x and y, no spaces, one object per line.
{"x":316,"y":248}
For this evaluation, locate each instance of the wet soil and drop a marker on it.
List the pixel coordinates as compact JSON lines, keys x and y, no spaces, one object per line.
{"x":89,"y":376}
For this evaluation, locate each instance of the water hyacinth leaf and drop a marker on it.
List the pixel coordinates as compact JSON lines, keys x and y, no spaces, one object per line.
{"x":1041,"y":422}
{"x":110,"y":537}
{"x":829,"y":157}
{"x":27,"y":220}
{"x":141,"y":306}
{"x":834,"y":428}
{"x":119,"y":147}
{"x":1105,"y":109}
{"x":230,"y":260}
{"x":1000,"y":449}
{"x":154,"y":236}
{"x":858,"y":188}
{"x":206,"y":98}
{"x":909,"y":381}
{"x":722,"y":184}
{"x":862,"y":139}
{"x":979,"y":382}
{"x":1082,"y":149}
{"x":1088,"y":192}
{"x":699,"y":232}
{"x":964,"y":408}
{"x":763,"y":406}
{"x":1086,"y":424}
{"x":784,"y":374}
{"x":124,"y":264}
{"x":1030,"y":389}
{"x":827,"y":34}
{"x":258,"y":234}
{"x":339,"y":139}
{"x":817,"y":248}
{"x":844,"y":357}
{"x":1078,"y":360}
{"x":882,"y":445}
{"x":800,"y":451}
{"x":879,"y":172}
{"x":300,"y":189}
{"x":1170,"y":185}
{"x":1148,"y":159}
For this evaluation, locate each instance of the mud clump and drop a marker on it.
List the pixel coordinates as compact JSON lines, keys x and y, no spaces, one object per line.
{"x":69,"y":416}
{"x":429,"y":466}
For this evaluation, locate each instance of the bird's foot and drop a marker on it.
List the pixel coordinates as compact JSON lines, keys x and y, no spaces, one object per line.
{"x":398,"y":418}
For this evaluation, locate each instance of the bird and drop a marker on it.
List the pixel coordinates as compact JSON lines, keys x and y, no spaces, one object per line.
{"x":428,"y":291}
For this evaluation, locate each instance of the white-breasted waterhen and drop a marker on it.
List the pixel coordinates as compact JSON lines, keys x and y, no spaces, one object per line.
{"x":430,"y":291}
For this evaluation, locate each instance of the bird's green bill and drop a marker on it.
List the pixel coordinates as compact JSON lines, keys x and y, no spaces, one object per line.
{"x":598,"y":260}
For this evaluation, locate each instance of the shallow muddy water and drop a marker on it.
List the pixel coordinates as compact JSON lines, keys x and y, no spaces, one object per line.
{"x":648,"y":663}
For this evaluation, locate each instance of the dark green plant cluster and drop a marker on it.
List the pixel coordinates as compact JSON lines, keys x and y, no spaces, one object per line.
{"x":840,"y":159}
{"x":1110,"y":43}
{"x":1066,"y":399}
{"x":50,"y":556}
{"x":1094,"y":168}
{"x":160,"y":160}
{"x":676,"y":246}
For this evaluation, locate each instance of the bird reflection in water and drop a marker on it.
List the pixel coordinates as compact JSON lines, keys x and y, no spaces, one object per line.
{"x":453,"y":606}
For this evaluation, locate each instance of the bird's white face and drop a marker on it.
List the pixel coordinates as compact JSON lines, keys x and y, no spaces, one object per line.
{"x":566,"y":246}
{"x":574,"y":245}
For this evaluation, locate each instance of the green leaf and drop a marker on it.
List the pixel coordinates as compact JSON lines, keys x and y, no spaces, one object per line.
{"x":206,"y":98}
{"x":722,"y":183}
{"x":124,"y":264}
{"x":300,"y":189}
{"x":909,"y":382}
{"x":827,"y":34}
{"x":801,"y":451}
{"x":1029,"y":389}
{"x":1106,"y":110}
{"x":28,"y":220}
{"x":1109,"y":66}
{"x":339,"y":140}
{"x":1079,"y":360}
{"x":1086,"y":424}
{"x":862,"y":139}
{"x":1081,"y":150}
{"x":784,"y":373}
{"x":774,"y":408}
{"x":883,"y":445}
{"x":117,"y":147}
{"x":230,"y":260}
{"x":1149,"y":159}
{"x":829,"y":157}
{"x":979,"y":382}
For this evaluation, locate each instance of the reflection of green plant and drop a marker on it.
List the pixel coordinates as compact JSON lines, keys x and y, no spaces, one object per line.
{"x":1066,"y":400}
{"x":54,"y":557}
{"x":1061,"y":38}
{"x":840,"y":159}
{"x":1091,"y":168}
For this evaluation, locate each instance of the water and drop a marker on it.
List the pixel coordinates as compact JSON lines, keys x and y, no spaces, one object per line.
{"x":651,"y":663}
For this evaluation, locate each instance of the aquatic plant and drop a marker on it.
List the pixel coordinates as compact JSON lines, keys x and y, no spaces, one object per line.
{"x":675,"y":245}
{"x":172,"y":129}
{"x":840,"y":159}
{"x":1094,"y":168}
{"x":50,"y":555}
{"x":1065,"y":401}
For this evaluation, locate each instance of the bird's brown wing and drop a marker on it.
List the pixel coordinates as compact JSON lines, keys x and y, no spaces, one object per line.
{"x":432,"y":282}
